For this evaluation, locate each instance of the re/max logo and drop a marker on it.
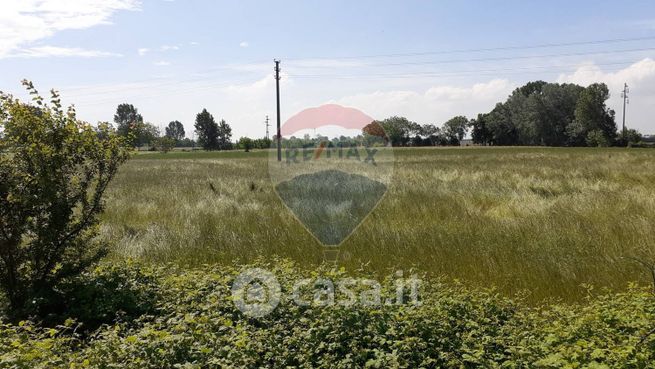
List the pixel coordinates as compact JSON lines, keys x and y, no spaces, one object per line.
{"x":311,"y":152}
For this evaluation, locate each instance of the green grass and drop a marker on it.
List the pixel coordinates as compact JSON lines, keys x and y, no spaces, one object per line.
{"x":541,"y":220}
{"x":331,"y":203}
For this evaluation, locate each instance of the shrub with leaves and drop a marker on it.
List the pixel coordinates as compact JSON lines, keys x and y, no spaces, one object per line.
{"x":54,"y":170}
{"x":195,"y":324}
{"x":164,"y":144}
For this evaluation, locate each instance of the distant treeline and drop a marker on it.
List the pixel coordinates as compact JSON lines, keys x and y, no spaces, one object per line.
{"x":552,"y":114}
{"x":536,"y":114}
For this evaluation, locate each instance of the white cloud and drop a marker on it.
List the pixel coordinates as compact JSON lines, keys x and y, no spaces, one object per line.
{"x":23,"y":22}
{"x":245,"y":101}
{"x":251,"y":91}
{"x":590,"y":73}
{"x":245,"y":104}
{"x":639,"y":76}
{"x":169,"y":47}
{"x":162,"y":63}
{"x":436,"y":105}
{"x":143,"y":51}
{"x":193,"y":43}
{"x":244,"y":44}
{"x":48,"y":51}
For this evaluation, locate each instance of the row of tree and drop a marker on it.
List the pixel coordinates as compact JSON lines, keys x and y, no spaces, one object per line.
{"x":552,"y":114}
{"x":402,"y":132}
{"x":538,"y":114}
{"x":212,"y":135}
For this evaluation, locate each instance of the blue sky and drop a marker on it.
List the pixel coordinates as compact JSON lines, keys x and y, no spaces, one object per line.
{"x":173,"y":58}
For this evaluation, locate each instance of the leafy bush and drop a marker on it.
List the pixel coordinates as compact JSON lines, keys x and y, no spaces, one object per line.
{"x":198,"y":326}
{"x":597,"y":138}
{"x":105,"y":295}
{"x":164,"y":144}
{"x":54,"y":170}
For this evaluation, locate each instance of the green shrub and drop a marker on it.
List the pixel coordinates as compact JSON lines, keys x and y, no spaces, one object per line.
{"x":597,"y":138}
{"x":196,"y":325}
{"x":105,"y":295}
{"x":163,"y":144}
{"x":54,"y":170}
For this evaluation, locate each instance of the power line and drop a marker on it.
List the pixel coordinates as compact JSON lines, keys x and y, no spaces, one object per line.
{"x":224,"y":67}
{"x":455,"y":73}
{"x":200,"y":76}
{"x":501,"y":58}
{"x":395,"y":75}
{"x":121,"y":88}
{"x":501,"y":48}
{"x":111,"y":89}
{"x":460,"y":75}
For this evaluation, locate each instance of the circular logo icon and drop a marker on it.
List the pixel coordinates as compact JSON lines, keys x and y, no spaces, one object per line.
{"x":256,"y":292}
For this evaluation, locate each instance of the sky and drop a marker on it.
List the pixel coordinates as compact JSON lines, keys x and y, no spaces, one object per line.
{"x":425,"y":60}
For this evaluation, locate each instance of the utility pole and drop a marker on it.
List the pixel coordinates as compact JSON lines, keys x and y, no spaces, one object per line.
{"x":624,"y":95}
{"x":277,"y":90}
{"x":267,"y":125}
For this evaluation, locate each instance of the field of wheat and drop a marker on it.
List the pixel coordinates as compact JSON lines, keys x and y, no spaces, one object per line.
{"x":539,"y":221}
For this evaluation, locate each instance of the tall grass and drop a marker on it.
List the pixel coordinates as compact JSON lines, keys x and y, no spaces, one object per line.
{"x":540,"y":220}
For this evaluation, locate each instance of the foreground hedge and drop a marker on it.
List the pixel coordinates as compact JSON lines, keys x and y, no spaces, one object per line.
{"x":194,"y":324}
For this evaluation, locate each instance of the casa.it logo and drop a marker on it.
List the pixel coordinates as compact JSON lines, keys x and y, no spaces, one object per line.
{"x":257,"y":293}
{"x":333,"y":167}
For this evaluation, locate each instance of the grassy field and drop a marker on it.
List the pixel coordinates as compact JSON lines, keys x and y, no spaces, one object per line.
{"x":541,"y":220}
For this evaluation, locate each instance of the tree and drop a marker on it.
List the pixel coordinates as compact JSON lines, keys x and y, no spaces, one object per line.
{"x":398,"y":130}
{"x":431,"y":135}
{"x":428,"y":130}
{"x":633,"y":136}
{"x":596,"y":138}
{"x":224,"y":136}
{"x":175,"y":130}
{"x":186,"y":142}
{"x":551,"y":114}
{"x":263,"y":143}
{"x":374,"y":129}
{"x":591,"y":114}
{"x":373,"y":134}
{"x":553,"y":111}
{"x":480,"y":133}
{"x":576,"y":134}
{"x":164,"y":144}
{"x":127,"y":119}
{"x":146,"y":134}
{"x":245,"y":143}
{"x":455,"y":129}
{"x":207,"y":130}
{"x":54,"y":170}
{"x":503,"y":131}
